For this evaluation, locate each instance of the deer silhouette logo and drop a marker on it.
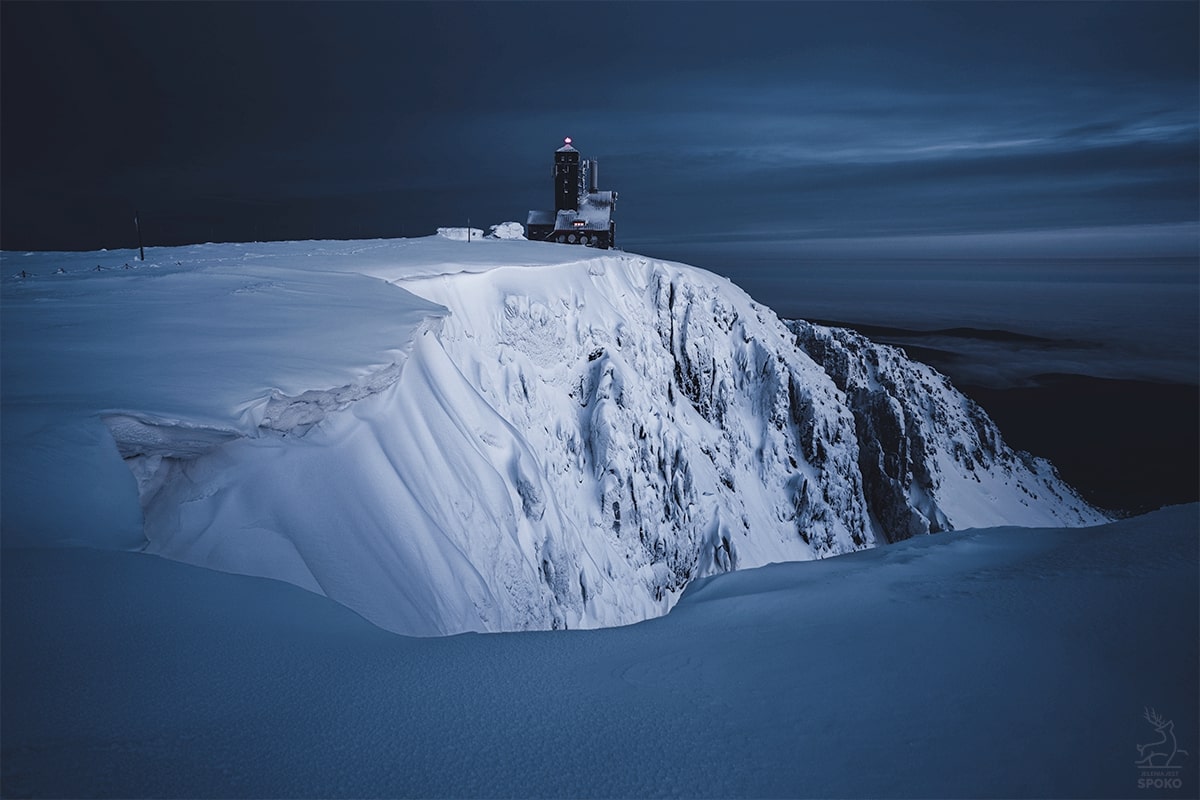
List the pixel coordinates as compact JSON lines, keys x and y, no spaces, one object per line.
{"x":1162,"y":751}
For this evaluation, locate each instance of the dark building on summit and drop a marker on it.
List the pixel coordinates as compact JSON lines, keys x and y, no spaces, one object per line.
{"x":582,"y":213}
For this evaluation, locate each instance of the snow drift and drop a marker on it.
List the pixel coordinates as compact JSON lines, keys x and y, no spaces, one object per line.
{"x":508,"y":230}
{"x":490,"y":436}
{"x":968,"y":665}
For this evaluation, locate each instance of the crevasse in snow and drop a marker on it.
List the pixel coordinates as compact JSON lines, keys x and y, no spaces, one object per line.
{"x":560,"y":442}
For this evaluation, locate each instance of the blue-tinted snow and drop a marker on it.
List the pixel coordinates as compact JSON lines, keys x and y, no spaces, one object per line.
{"x":1004,"y":662}
{"x":451,"y":436}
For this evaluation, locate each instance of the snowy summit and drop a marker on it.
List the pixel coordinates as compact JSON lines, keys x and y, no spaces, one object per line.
{"x":479,"y":435}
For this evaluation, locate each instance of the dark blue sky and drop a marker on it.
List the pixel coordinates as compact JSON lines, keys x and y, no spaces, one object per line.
{"x":829,"y":130}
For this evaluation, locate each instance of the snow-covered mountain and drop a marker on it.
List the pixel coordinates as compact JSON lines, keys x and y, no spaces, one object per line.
{"x":449,"y":436}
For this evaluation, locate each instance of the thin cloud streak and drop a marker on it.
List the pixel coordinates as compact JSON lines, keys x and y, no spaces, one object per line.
{"x":1157,"y":240}
{"x":843,"y":120}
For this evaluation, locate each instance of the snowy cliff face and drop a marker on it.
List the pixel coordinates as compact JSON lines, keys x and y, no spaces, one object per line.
{"x":669,"y":428}
{"x":539,"y":441}
{"x":930,"y":458}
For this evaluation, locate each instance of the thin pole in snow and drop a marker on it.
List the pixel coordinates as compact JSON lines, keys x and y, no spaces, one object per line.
{"x":468,"y":230}
{"x":137,"y":224}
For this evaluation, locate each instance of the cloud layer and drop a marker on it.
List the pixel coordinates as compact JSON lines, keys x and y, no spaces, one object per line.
{"x":812,"y":123}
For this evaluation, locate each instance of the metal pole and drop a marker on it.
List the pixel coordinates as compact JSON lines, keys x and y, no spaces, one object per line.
{"x":137,"y":224}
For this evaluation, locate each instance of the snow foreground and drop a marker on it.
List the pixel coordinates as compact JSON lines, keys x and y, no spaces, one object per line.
{"x":452,"y":436}
{"x":998,"y":663}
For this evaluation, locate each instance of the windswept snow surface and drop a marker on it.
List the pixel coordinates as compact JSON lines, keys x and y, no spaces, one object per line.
{"x":508,"y":230}
{"x":179,"y":353}
{"x":997,"y":663}
{"x":453,"y":436}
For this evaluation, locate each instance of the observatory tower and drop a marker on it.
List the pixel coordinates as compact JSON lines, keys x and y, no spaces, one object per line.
{"x":582,"y":213}
{"x":566,"y":178}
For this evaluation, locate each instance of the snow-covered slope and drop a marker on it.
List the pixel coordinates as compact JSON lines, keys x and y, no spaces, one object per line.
{"x":497,"y":435}
{"x":931,"y":459}
{"x":965,"y":665}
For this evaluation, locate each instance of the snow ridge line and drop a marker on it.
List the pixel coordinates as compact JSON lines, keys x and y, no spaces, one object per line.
{"x":155,"y":447}
{"x":286,"y":414}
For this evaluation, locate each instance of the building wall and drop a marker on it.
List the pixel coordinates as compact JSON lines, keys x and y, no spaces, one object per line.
{"x":566,"y":180}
